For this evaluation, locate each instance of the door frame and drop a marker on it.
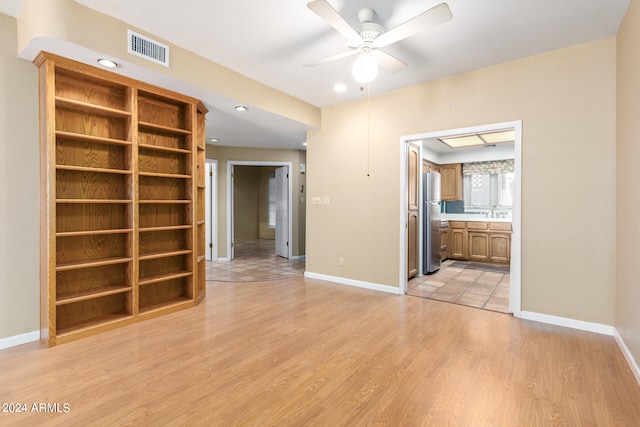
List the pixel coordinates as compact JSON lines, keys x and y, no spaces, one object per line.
{"x":515,"y":289}
{"x":230,"y":202}
{"x":211,"y":191}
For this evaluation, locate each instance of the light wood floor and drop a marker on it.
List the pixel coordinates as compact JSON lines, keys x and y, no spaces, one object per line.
{"x":304,"y":352}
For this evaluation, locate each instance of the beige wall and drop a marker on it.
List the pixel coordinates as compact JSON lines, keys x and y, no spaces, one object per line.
{"x":628,"y":177}
{"x":251,"y":198}
{"x":226,"y":154}
{"x":246,"y":199}
{"x":566,"y":101}
{"x":19,"y":189}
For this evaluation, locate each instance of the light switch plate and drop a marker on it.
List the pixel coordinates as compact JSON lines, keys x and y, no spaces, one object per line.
{"x":326,"y":200}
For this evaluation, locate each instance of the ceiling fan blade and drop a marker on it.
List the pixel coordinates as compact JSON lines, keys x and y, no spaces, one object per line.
{"x":388,"y":62}
{"x":325,"y":11}
{"x":429,"y":19}
{"x":332,"y":58}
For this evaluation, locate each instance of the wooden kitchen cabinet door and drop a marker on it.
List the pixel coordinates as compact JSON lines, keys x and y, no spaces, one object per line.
{"x":451,"y":181}
{"x":500,"y":247}
{"x":413,"y":209}
{"x":478,"y":246}
{"x":457,"y":243}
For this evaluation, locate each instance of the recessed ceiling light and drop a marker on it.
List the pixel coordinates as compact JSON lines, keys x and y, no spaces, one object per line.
{"x":107,"y":63}
{"x":304,"y":143}
{"x":241,"y":108}
{"x":340,"y":87}
{"x":213,"y":140}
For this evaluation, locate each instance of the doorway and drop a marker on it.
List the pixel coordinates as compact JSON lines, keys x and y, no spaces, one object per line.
{"x":281,"y":207}
{"x":515,"y":265}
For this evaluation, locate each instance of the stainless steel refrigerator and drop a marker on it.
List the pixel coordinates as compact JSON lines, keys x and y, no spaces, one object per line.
{"x":431,"y":225}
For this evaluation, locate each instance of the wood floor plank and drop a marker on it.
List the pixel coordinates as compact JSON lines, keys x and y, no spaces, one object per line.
{"x":307,"y":352}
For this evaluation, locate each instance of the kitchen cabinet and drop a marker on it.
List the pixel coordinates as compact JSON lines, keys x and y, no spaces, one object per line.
{"x":478,"y":246}
{"x":480,"y":241}
{"x":428,"y":166}
{"x":457,"y":240}
{"x":500,"y":241}
{"x":444,"y":240}
{"x":451,"y":181}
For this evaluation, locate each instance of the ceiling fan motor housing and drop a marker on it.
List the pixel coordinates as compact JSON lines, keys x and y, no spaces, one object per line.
{"x":367,"y":29}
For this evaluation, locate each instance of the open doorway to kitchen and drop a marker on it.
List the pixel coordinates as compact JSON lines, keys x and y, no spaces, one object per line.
{"x":480,"y":268}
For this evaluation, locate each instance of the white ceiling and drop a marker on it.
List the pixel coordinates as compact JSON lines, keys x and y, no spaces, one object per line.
{"x":269,"y":42}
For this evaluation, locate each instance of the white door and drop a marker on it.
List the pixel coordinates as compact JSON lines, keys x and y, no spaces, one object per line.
{"x":282,"y":212}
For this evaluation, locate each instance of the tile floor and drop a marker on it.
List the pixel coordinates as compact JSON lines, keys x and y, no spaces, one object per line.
{"x":255,"y":261}
{"x":470,"y":284}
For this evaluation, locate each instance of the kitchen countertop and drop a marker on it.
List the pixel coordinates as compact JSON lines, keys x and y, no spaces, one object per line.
{"x":472,"y":218}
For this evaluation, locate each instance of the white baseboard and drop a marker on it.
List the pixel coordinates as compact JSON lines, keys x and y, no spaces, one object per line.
{"x":598,"y":328}
{"x":627,"y":355}
{"x":356,"y":283}
{"x":19,"y":339}
{"x":223,"y":259}
{"x":297,"y":257}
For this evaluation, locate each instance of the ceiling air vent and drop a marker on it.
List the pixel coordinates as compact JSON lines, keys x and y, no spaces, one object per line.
{"x":147,"y":48}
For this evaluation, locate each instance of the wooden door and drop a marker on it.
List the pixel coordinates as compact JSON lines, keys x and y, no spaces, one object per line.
{"x":457,"y":240}
{"x":451,"y":182}
{"x":499,"y":247}
{"x":478,"y":246}
{"x":413,"y":209}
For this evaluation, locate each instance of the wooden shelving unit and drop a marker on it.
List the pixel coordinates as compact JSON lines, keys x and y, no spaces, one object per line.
{"x":120,"y":164}
{"x":200,"y":186}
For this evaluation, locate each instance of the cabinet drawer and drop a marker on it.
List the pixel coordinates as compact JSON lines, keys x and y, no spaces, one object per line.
{"x":500,"y":226}
{"x":477,"y":226}
{"x":455,"y":224}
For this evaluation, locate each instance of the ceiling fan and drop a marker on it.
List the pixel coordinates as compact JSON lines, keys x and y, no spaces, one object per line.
{"x":368,"y":37}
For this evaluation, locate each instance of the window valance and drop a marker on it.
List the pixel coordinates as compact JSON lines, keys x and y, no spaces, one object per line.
{"x":488,"y":168}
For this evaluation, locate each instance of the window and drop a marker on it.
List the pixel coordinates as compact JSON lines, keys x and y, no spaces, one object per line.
{"x":489,"y":187}
{"x":271,"y":200}
{"x":488,"y":190}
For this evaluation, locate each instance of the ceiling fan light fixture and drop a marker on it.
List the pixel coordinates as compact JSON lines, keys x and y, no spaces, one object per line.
{"x":365,"y":67}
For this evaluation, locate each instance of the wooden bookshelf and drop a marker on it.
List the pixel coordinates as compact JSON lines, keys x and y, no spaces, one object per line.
{"x":199,"y":190}
{"x":120,"y":164}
